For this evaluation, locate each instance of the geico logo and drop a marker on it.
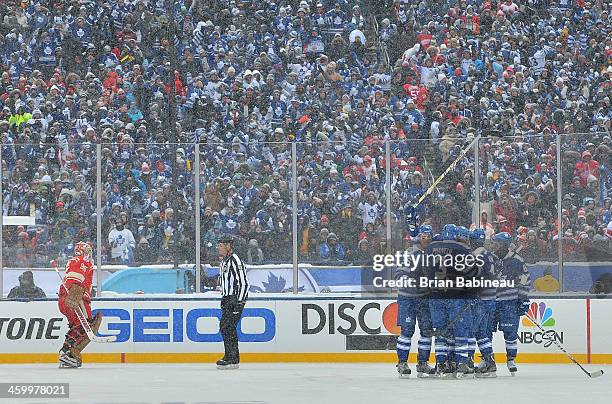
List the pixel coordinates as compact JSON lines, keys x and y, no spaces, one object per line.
{"x":140,"y":324}
{"x":538,"y":337}
{"x":346,"y":315}
{"x":32,"y":328}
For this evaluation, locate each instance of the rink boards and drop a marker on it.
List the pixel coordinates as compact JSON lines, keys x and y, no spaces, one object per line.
{"x":283,"y":329}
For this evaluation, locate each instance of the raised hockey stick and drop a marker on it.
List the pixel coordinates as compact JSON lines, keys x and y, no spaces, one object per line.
{"x":590,"y":374}
{"x":411,"y":216}
{"x":445,"y":173}
{"x":430,"y":174}
{"x":82,"y":319}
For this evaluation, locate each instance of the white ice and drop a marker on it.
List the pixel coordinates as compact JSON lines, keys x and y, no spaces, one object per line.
{"x":259,"y":383}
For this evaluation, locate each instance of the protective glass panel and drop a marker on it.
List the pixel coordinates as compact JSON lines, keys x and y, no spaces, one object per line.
{"x":49,"y":194}
{"x":148,"y":226}
{"x":586,"y":193}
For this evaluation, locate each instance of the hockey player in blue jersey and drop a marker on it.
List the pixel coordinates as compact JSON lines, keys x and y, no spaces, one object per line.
{"x":462,"y":235}
{"x":412,"y":308}
{"x":511,"y":302}
{"x":484,"y":308}
{"x":451,"y":306}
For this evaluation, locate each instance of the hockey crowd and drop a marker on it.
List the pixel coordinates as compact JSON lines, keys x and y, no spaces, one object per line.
{"x":340,"y":79}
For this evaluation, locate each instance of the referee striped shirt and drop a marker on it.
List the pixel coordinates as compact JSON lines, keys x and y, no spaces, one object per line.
{"x":233,"y":278}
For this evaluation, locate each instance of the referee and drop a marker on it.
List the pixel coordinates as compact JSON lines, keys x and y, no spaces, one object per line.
{"x":234,"y":292}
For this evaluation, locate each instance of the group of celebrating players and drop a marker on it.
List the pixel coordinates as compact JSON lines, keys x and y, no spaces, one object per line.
{"x":460,"y":319}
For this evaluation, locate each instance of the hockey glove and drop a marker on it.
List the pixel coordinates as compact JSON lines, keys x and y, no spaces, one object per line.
{"x":75,"y":296}
{"x":523,"y":307}
{"x":411,"y":221}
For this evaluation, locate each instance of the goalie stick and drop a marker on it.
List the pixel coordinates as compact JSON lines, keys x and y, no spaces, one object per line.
{"x":590,"y":374}
{"x":84,"y":323}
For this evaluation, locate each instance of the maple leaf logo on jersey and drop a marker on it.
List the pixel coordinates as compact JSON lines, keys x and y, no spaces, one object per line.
{"x":540,"y":313}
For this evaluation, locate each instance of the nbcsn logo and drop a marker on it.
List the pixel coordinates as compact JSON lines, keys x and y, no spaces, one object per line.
{"x":543,"y":315}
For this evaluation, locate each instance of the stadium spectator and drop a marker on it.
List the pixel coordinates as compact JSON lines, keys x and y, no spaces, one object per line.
{"x":254,"y":253}
{"x":27,"y":289}
{"x":546,"y":283}
{"x":252,"y":77}
{"x":122,"y":243}
{"x":331,"y":249}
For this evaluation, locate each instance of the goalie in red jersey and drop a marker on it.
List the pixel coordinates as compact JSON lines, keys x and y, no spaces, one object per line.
{"x":74,"y":295}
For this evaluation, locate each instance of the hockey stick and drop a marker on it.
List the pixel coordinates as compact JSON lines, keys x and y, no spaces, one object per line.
{"x":445,"y":173}
{"x":412,"y":216}
{"x":431,"y":178}
{"x":84,"y":323}
{"x":590,"y":374}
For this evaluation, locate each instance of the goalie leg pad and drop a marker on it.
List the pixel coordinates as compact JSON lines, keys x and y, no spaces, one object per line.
{"x":70,"y":356}
{"x":96,"y":322}
{"x":75,"y":336}
{"x":95,"y":325}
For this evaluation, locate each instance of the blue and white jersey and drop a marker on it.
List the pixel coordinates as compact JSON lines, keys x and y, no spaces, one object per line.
{"x":46,"y":53}
{"x":82,"y":34}
{"x":408,"y":273}
{"x":336,"y":19}
{"x":487,"y":271}
{"x":440,"y":268}
{"x":229,"y":223}
{"x":513,"y":268}
{"x":247,"y":195}
{"x":369,"y":212}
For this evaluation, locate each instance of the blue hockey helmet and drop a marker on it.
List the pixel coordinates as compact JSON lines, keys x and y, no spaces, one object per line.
{"x":462,"y":233}
{"x":449,"y":231}
{"x":436,"y":237}
{"x":503,"y":238}
{"x":426,"y":229}
{"x":477,"y":235}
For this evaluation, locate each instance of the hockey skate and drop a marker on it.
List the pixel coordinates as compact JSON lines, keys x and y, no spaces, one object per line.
{"x":445,"y":370}
{"x":424,"y":370}
{"x":403,"y":370}
{"x":225,"y":364}
{"x":67,"y":360}
{"x":486,"y":368}
{"x":470,"y":364}
{"x":464,"y":371}
{"x":512,"y":366}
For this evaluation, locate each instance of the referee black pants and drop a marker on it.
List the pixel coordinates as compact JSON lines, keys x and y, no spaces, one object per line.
{"x":231,"y":311}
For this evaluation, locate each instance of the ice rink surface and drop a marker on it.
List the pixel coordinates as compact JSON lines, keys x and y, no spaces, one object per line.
{"x":267,"y":383}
